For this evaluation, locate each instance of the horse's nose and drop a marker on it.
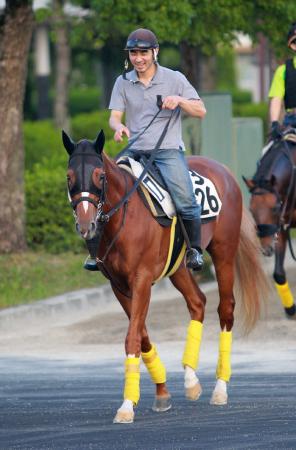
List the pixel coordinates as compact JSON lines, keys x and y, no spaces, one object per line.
{"x":86,"y":231}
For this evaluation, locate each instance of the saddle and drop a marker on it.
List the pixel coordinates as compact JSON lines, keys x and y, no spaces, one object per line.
{"x":156,"y":197}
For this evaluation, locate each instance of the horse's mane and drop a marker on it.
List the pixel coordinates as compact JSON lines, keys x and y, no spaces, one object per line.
{"x":266,"y":164}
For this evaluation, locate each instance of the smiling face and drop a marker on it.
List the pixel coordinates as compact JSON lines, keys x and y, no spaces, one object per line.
{"x":143,"y":61}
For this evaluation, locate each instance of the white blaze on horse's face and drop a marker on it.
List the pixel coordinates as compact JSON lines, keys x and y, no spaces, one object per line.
{"x":85,"y":203}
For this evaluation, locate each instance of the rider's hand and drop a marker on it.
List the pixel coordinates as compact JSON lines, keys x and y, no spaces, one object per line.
{"x":171,"y":102}
{"x":276,"y":132}
{"x":118,"y":136}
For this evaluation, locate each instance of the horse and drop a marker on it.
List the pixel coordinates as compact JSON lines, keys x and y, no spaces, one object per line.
{"x":273,"y":206}
{"x":132,"y":253}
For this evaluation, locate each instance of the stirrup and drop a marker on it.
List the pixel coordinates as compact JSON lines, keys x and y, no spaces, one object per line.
{"x":91,"y":264}
{"x":194,"y":259}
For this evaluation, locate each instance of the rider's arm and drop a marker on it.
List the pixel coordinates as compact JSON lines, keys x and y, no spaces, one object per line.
{"x":116,"y":124}
{"x":275,"y":109}
{"x":192,"y":107}
{"x":277,"y":93}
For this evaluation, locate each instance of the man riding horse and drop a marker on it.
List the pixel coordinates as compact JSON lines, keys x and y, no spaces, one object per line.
{"x":135,"y":94}
{"x":283,"y":91}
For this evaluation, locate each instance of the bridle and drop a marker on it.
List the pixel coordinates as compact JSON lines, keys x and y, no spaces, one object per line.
{"x":261,"y":188}
{"x":100,"y":194}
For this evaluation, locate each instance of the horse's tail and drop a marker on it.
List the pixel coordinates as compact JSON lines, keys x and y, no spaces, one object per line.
{"x":252,"y":285}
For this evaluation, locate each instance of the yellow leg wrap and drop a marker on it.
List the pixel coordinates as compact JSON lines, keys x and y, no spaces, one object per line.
{"x":285,"y":294}
{"x":224,"y":367}
{"x":132,"y":380}
{"x":191,"y":352}
{"x":154,"y":365}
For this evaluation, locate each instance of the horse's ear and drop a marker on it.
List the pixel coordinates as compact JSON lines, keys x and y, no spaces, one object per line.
{"x":99,"y":142}
{"x":68,"y":143}
{"x":249,"y":182}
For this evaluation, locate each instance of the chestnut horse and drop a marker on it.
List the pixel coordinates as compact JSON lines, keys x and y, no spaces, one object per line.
{"x":273,"y":206}
{"x":133,"y":251}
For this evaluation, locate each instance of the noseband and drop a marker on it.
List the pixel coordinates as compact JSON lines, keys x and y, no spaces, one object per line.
{"x":100,"y":194}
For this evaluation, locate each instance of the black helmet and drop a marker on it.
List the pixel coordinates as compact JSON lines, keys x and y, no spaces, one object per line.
{"x":141,"y":39}
{"x":291,"y":34}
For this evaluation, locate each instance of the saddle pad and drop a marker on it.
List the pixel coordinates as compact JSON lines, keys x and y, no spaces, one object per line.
{"x":205,"y":192}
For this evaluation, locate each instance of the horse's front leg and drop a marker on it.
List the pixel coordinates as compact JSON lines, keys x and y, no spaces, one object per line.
{"x":279,"y":275}
{"x":151,"y":359}
{"x":141,"y":291}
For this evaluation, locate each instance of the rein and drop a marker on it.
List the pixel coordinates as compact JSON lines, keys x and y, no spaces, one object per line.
{"x":103,"y":218}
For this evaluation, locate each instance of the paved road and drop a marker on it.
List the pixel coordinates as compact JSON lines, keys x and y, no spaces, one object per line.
{"x":63,"y":405}
{"x":62,"y":377}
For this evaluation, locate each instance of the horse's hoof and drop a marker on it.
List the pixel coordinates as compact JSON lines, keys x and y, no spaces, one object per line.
{"x":193,"y":393}
{"x":219,"y":398}
{"x":162,"y":403}
{"x":124,"y":416}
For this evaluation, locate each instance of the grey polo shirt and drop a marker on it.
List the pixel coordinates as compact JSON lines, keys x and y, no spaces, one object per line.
{"x":139,"y":104}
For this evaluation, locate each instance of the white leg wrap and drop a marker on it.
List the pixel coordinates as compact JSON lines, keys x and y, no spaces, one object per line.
{"x":219,"y":396}
{"x":221,"y":386}
{"x":127,"y":405}
{"x":190,"y":378}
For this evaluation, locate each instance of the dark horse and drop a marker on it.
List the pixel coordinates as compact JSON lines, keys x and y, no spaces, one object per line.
{"x":273,"y":205}
{"x":133,"y":252}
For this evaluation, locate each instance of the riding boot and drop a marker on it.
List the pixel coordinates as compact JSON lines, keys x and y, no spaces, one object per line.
{"x":194,"y":257}
{"x":90,"y":263}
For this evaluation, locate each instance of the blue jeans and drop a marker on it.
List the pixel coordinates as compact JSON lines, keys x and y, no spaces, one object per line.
{"x":174,"y":170}
{"x":290,"y":120}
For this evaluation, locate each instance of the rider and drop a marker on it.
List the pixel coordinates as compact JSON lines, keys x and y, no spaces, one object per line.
{"x":283,"y":90}
{"x":135,"y":95}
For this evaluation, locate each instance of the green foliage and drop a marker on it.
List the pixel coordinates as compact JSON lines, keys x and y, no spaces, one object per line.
{"x":82,"y":100}
{"x":88,"y":125}
{"x":50,"y":223}
{"x":252,"y":110}
{"x":42,"y":142}
{"x":26,"y":277}
{"x":226,"y":75}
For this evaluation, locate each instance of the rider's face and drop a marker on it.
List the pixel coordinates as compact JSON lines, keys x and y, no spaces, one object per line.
{"x":293,"y":45}
{"x":142,"y":60}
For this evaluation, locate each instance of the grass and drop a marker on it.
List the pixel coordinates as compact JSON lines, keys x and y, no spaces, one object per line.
{"x":30,"y":276}
{"x":27,"y":277}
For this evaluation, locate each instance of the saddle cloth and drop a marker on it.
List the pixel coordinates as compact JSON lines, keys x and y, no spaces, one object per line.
{"x":205,"y":191}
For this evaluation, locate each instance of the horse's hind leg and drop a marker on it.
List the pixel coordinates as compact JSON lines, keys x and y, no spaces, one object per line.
{"x":195,"y":299}
{"x":224,"y":267}
{"x":152,"y":361}
{"x":279,"y":275}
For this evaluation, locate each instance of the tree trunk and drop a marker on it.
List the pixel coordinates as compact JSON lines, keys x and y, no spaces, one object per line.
{"x":63,"y":63}
{"x":198,"y":68}
{"x":191,"y":64}
{"x":15,"y":37}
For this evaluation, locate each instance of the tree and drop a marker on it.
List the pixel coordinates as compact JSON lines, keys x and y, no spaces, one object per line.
{"x":63,"y":64}
{"x":16,"y":25}
{"x":198,"y":26}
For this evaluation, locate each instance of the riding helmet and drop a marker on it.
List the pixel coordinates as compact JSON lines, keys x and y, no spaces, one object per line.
{"x":291,"y":34}
{"x":141,"y":39}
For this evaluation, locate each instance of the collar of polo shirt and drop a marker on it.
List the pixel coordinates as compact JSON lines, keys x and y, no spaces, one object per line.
{"x":158,"y":76}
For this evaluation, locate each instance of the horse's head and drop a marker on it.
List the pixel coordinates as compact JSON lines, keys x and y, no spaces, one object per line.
{"x":86,"y":182}
{"x":265,"y":206}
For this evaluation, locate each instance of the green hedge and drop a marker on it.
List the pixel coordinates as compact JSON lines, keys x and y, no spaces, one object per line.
{"x":253,"y":110}
{"x":82,"y":100}
{"x":50,"y":223}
